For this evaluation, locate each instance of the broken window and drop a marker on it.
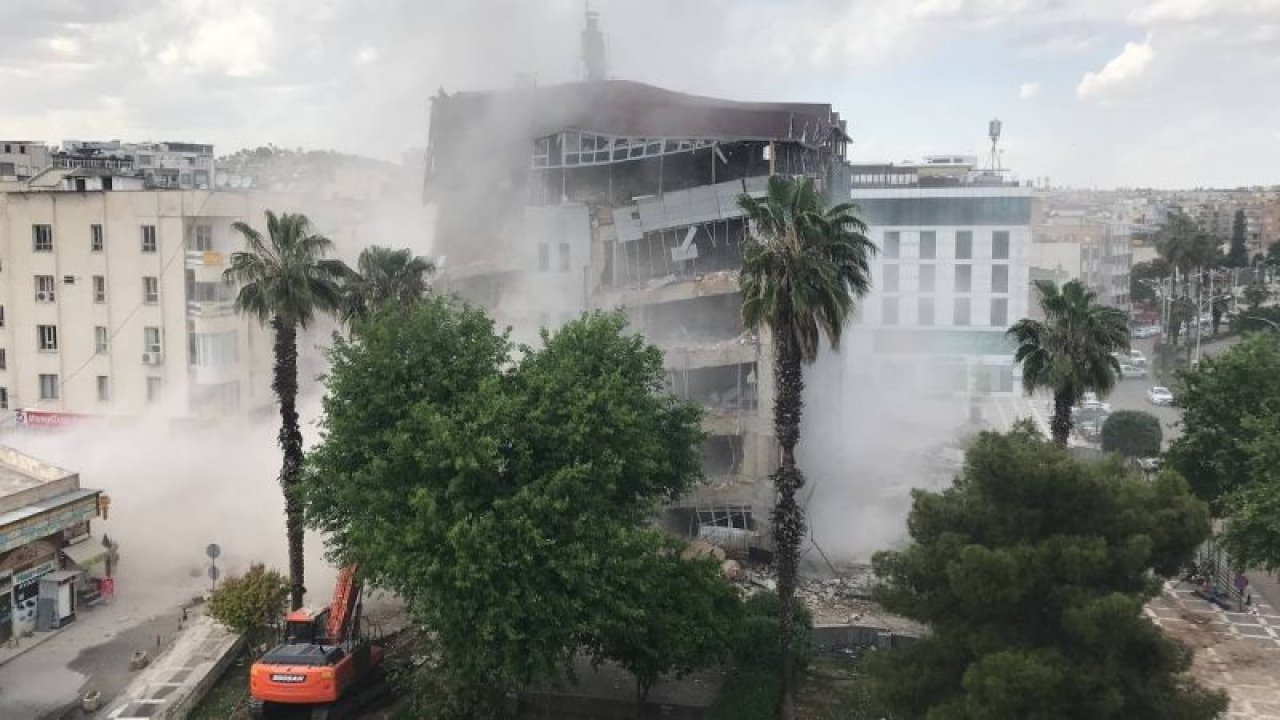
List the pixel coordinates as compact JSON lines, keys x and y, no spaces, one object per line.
{"x":730,"y":516}
{"x":682,"y":253}
{"x":723,"y":387}
{"x":721,"y":455}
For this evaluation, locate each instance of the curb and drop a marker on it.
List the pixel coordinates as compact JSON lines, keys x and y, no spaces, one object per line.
{"x":34,"y":642}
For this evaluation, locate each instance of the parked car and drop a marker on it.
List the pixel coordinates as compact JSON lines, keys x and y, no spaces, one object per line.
{"x":1145,"y":331}
{"x":1160,"y":396}
{"x":1136,"y":358}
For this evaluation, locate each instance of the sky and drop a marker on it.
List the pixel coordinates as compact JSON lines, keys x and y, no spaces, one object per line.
{"x":1091,"y":93}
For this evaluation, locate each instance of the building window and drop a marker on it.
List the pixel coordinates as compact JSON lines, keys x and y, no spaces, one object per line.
{"x":48,"y":387}
{"x":101,"y":340}
{"x":1,"y":316}
{"x":44,"y":288}
{"x":960,"y":316}
{"x":564,"y":257}
{"x":104,"y":389}
{"x":928,"y":245}
{"x":927,"y":277}
{"x":42,"y":238}
{"x":154,"y":386}
{"x":924,"y":311}
{"x":47,"y":338}
{"x":544,"y":256}
{"x":891,"y":278}
{"x":1000,"y":278}
{"x":964,"y":245}
{"x":95,"y":238}
{"x":99,"y":289}
{"x":964,"y":278}
{"x":999,"y":312}
{"x":892,"y":245}
{"x":4,"y":398}
{"x":148,"y":238}
{"x":151,"y":339}
{"x":889,"y":311}
{"x":150,"y":290}
{"x":4,"y":360}
{"x":204,"y":238}
{"x":1000,"y":245}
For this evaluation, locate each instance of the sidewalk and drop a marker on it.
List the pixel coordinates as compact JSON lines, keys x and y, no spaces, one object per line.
{"x":177,"y":680}
{"x":18,"y":646}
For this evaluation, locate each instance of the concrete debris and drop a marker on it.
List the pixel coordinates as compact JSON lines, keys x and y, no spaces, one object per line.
{"x":701,"y":548}
{"x":732,"y":570}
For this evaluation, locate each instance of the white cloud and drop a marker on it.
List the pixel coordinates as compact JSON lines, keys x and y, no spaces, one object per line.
{"x":234,"y":45}
{"x":1028,"y":90}
{"x":1123,"y":69}
{"x":366,"y":55}
{"x":64,"y":46}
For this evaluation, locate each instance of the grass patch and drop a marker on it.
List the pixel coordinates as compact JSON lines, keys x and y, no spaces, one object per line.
{"x":835,"y":688}
{"x":227,"y":698}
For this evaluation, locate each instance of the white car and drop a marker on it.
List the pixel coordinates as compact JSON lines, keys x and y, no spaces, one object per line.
{"x":1136,"y":358}
{"x":1145,"y":331}
{"x":1160,"y":396}
{"x":1132,"y":372}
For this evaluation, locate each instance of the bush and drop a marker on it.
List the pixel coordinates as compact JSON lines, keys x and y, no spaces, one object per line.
{"x":252,"y":603}
{"x":754,"y":688}
{"x":1132,"y":433}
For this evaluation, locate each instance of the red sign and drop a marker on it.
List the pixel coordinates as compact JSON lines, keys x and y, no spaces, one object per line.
{"x":50,"y":419}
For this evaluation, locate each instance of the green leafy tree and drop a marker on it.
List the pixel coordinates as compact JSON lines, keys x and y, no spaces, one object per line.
{"x":251,"y":604}
{"x":1132,"y":433}
{"x":1255,"y":294}
{"x":1252,"y":535}
{"x":1238,"y":255}
{"x":1263,"y":319}
{"x":1031,"y":572}
{"x":686,"y":618}
{"x":384,"y":276}
{"x":1188,"y":250}
{"x":285,"y":282}
{"x":1218,"y":399}
{"x":508,"y":499}
{"x":1070,"y":351}
{"x":1143,"y":274}
{"x":803,"y":267}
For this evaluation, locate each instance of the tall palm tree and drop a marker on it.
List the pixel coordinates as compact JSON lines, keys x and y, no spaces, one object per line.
{"x":803,"y":267}
{"x":1070,"y":351}
{"x":384,"y":276}
{"x":284,"y":282}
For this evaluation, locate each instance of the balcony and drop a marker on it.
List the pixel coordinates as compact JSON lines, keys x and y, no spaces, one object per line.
{"x":207,"y":310}
{"x":214,"y":374}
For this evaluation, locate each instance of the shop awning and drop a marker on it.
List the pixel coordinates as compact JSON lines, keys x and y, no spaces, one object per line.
{"x":86,"y":553}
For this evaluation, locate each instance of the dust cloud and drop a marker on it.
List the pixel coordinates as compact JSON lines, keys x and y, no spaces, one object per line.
{"x":177,"y":488}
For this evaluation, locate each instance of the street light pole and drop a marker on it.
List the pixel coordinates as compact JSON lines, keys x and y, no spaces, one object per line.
{"x":1274,"y":325}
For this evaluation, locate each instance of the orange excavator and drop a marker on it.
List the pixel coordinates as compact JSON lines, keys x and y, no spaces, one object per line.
{"x":321,"y":661}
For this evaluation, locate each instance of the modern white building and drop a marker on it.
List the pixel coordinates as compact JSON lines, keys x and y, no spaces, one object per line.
{"x":951,"y":276}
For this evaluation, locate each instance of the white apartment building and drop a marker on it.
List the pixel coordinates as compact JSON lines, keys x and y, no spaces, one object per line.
{"x":22,"y":159}
{"x":951,"y":276}
{"x":165,"y":165}
{"x":112,"y":304}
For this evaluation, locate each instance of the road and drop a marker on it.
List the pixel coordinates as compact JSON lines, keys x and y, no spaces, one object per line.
{"x":1132,"y":394}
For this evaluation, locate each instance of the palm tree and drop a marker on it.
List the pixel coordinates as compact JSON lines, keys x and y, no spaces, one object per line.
{"x":284,"y":282}
{"x":803,"y":266}
{"x":1070,"y":352}
{"x":385,"y":276}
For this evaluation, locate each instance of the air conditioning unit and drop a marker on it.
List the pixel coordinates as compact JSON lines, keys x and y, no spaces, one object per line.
{"x":43,"y":296}
{"x":68,"y":279}
{"x":152,"y":358}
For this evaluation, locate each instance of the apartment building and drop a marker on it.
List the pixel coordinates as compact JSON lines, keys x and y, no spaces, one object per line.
{"x":112,"y":304}
{"x":951,"y":276}
{"x":613,"y":194}
{"x":22,"y":159}
{"x":1092,"y":248}
{"x":161,"y":165}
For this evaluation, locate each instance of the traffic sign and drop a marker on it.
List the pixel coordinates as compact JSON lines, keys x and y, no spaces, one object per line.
{"x":213,"y":573}
{"x":213,"y":551}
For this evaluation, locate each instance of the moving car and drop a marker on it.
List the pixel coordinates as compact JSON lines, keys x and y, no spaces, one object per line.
{"x":1145,"y":331}
{"x":1132,"y":372}
{"x":1160,"y":396}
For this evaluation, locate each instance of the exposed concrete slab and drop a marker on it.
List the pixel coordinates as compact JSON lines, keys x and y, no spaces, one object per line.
{"x":177,"y":680}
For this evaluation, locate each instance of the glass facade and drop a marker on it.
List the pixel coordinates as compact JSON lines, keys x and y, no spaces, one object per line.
{"x":946,"y":211}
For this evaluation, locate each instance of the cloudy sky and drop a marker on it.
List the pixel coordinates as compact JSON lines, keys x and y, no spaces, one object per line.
{"x":1165,"y":93}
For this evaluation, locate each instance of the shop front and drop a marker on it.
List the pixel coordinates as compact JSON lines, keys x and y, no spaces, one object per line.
{"x":27,"y":566}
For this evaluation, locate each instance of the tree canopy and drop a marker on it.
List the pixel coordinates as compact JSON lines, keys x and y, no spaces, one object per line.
{"x":1238,"y":255}
{"x":1140,"y":274}
{"x":508,"y":497}
{"x":252,"y":602}
{"x":1032,"y":571}
{"x":1132,"y":433}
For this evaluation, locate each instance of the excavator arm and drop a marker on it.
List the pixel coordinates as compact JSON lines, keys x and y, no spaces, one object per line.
{"x":346,"y":599}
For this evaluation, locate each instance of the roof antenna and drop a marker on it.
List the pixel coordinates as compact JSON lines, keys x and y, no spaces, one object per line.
{"x":594,"y":62}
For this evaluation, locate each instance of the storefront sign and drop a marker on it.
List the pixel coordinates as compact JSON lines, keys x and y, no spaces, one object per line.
{"x":32,"y":573}
{"x":50,"y":419}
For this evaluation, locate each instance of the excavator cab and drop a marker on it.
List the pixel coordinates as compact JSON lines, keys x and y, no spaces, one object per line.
{"x":322,"y":662}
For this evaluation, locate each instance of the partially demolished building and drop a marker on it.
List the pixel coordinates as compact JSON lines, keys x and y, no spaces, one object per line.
{"x":614,"y":194}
